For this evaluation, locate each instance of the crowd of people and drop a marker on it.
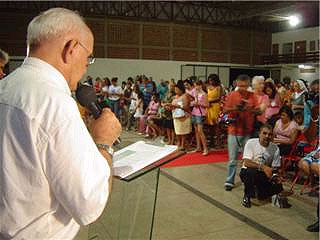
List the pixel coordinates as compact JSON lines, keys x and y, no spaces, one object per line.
{"x":273,"y":115}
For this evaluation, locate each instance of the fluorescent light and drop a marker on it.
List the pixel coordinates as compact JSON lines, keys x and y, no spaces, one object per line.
{"x":301,"y":66}
{"x":293,"y":20}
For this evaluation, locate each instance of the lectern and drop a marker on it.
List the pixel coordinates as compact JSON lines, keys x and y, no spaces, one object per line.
{"x":131,"y":208}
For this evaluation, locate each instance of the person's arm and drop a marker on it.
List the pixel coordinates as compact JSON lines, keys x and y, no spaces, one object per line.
{"x":262,"y":167}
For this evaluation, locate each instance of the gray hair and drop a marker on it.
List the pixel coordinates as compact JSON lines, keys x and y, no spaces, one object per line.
{"x":4,"y":56}
{"x":52,"y":23}
{"x":257,"y":79}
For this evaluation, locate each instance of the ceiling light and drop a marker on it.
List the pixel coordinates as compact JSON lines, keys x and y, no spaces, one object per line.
{"x":293,"y":21}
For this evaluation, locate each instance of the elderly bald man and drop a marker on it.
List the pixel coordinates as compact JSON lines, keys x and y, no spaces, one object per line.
{"x":53,"y":177}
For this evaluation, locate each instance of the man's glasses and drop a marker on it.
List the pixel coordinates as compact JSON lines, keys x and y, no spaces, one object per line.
{"x":91,"y":59}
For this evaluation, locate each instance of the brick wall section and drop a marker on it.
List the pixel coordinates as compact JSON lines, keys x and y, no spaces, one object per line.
{"x":215,"y":57}
{"x":120,"y":52}
{"x":123,"y":33}
{"x":97,"y":28}
{"x":241,"y":58}
{"x":159,"y":54}
{"x":155,"y":35}
{"x":126,"y":39}
{"x":183,"y":55}
{"x":98,"y":51}
{"x":240,"y":41}
{"x":185,"y":37}
{"x":215,"y":40}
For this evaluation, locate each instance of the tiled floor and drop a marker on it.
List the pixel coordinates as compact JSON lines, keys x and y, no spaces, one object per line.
{"x":192,"y":205}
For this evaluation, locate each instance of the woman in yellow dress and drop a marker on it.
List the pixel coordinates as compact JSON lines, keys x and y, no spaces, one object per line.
{"x":214,"y":96}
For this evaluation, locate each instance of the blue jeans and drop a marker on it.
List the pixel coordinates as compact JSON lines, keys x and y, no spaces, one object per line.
{"x":233,"y":151}
{"x":115,"y":107}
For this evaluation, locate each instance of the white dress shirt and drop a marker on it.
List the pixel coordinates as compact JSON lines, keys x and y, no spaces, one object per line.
{"x":52,"y":176}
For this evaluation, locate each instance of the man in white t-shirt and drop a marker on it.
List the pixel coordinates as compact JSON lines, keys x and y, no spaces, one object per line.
{"x":261,"y":158}
{"x":114,"y":94}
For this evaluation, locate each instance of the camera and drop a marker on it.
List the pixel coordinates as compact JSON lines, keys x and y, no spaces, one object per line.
{"x":241,"y":106}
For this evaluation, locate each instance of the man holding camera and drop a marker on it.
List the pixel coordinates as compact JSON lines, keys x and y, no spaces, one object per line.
{"x":261,"y":159}
{"x":241,"y":105}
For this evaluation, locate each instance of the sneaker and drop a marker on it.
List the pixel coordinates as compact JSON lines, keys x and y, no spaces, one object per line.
{"x":246,"y":202}
{"x":228,"y":187}
{"x":313,"y":227}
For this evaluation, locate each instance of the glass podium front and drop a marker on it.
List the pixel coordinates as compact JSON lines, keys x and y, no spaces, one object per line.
{"x":130,"y":210}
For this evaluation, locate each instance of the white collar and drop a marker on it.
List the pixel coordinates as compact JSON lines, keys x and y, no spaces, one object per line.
{"x":54,"y":74}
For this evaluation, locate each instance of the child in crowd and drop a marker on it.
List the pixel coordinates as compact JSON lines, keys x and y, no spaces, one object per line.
{"x":138,"y":115}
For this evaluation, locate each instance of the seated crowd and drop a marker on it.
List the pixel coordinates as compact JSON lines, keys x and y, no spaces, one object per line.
{"x":276,"y":116}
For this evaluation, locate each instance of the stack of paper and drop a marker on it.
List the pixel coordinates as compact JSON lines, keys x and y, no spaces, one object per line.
{"x":137,"y":156}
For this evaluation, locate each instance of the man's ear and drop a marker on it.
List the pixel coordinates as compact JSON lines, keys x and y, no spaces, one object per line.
{"x":68,"y":51}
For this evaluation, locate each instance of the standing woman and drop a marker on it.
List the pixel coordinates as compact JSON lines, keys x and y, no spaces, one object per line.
{"x":214,"y":96}
{"x":181,"y":114}
{"x":297,"y":98}
{"x":275,"y":103}
{"x":199,"y":111}
{"x":263,"y":102}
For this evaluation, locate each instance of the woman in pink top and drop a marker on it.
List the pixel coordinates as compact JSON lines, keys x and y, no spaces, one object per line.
{"x":263,"y":102}
{"x":274,"y":101}
{"x":199,"y":112}
{"x":285,"y":131}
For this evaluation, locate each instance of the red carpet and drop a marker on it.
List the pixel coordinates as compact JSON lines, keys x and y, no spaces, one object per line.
{"x":198,"y":158}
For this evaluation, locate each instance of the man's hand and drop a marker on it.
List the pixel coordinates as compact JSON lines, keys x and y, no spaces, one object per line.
{"x":106,"y":129}
{"x":267,"y":170}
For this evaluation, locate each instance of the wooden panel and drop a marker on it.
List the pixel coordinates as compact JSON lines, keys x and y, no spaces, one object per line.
{"x":155,"y":35}
{"x":240,"y":58}
{"x":98,"y":51}
{"x":275,"y":49}
{"x":120,"y":52}
{"x":300,"y":46}
{"x":240,"y":41}
{"x":185,"y":37}
{"x":215,"y":40}
{"x":257,"y":59}
{"x":182,"y":55}
{"x":157,"y":54}
{"x":97,"y":28}
{"x":14,"y":27}
{"x":262,"y":42}
{"x":215,"y":57}
{"x":123,"y":33}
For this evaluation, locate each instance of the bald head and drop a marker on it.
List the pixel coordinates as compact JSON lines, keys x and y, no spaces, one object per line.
{"x":54,"y":23}
{"x":61,"y":38}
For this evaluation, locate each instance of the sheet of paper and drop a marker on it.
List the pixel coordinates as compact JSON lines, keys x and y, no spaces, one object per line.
{"x":137,"y":156}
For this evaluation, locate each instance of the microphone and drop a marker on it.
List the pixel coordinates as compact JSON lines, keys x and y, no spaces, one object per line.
{"x":87,"y":98}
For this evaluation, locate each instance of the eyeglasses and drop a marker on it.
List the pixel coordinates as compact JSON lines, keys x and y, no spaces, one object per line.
{"x":91,"y":59}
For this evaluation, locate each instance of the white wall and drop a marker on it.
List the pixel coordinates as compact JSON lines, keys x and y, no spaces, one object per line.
{"x":294,"y":73}
{"x":156,"y":69}
{"x":308,"y":34}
